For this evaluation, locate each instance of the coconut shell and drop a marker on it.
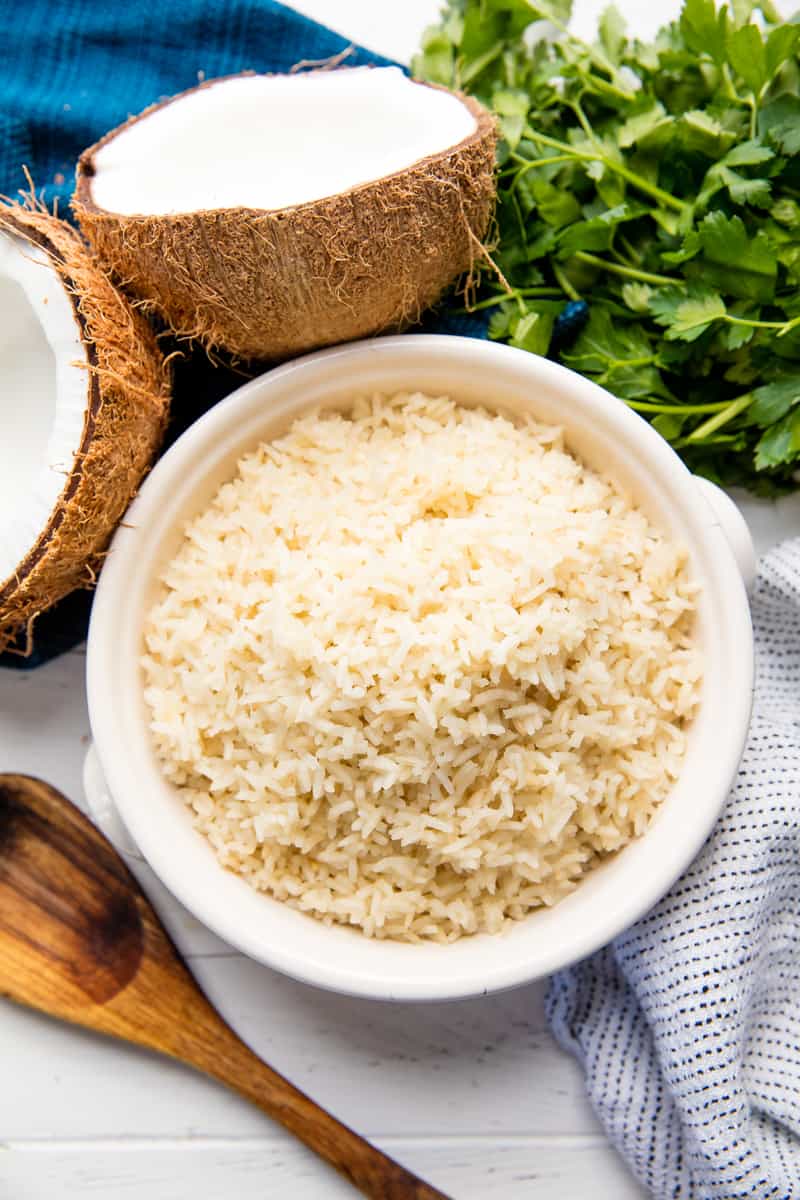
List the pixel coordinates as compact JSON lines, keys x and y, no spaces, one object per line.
{"x":267,"y":284}
{"x":128,"y":390}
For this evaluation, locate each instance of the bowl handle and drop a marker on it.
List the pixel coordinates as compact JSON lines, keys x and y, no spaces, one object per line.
{"x":101,"y":807}
{"x":734,"y":526}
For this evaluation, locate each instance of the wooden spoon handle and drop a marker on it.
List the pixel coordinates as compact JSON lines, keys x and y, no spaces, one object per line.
{"x":202,"y":1039}
{"x":367,"y":1168}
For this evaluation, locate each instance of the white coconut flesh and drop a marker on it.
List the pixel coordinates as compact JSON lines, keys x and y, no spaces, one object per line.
{"x":275,"y":141}
{"x":43,"y":395}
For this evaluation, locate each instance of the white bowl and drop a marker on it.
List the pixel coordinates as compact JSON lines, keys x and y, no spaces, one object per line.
{"x":613,"y":895}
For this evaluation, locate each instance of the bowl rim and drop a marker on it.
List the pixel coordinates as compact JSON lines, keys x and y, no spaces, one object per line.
{"x":203,"y":900}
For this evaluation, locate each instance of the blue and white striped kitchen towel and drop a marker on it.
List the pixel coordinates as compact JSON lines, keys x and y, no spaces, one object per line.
{"x":688,"y":1025}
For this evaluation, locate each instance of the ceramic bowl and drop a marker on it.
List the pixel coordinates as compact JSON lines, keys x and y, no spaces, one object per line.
{"x":614,"y":894}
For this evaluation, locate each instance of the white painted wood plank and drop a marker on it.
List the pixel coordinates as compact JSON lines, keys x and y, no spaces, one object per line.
{"x":455,"y":1055}
{"x":466,"y":1169}
{"x":487,"y":1065}
{"x":44,"y":725}
{"x":479,"y":1066}
{"x":69,"y":1083}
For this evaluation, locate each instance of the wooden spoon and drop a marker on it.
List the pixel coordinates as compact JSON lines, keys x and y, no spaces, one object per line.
{"x":79,"y":940}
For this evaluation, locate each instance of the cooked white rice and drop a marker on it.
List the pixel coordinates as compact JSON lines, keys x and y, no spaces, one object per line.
{"x":416,"y":668}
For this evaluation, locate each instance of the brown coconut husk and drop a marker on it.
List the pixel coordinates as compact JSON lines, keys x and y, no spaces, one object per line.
{"x":264,"y":284}
{"x":127,"y":402}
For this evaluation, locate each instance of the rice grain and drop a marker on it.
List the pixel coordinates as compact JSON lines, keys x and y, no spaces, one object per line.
{"x":417,"y":668}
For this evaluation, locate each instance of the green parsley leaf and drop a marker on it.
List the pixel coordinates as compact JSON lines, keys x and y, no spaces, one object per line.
{"x":748,"y":154}
{"x":741,"y":188}
{"x":643,"y":127}
{"x":533,"y":332}
{"x":436,"y":58}
{"x":787,"y":212}
{"x":487,"y":25}
{"x":597,"y":233}
{"x":743,"y":10}
{"x":611,"y":28}
{"x":780,"y":443}
{"x":704,"y":30}
{"x":602,"y":344}
{"x":512,"y":110}
{"x":780,"y":123}
{"x":500,"y":322}
{"x":748,"y":57}
{"x":669,"y":425}
{"x":686,"y":313}
{"x":510,"y":103}
{"x":558,"y":12}
{"x":774,"y":400}
{"x":660,"y":182}
{"x":735,"y":336}
{"x":781,"y":45}
{"x":637,"y":296}
{"x":620,"y":358}
{"x":541,"y":245}
{"x":692,"y":245}
{"x":746,"y":191}
{"x":733,"y":262}
{"x":554,"y":205}
{"x":702,"y":133}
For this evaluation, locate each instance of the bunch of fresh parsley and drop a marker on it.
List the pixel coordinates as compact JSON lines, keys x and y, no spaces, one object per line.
{"x":660,"y":182}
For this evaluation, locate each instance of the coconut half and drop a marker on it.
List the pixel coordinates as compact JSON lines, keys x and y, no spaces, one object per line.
{"x":271,"y":214}
{"x":83,"y":404}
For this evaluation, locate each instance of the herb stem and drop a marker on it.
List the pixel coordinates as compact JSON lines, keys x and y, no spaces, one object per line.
{"x":621,"y":258}
{"x":563,"y":282}
{"x":753,"y":324}
{"x":514,"y":294}
{"x":581,"y":115}
{"x":626,"y":272}
{"x":636,"y":181}
{"x":538,"y":162}
{"x":632,"y":254}
{"x":731,"y":410}
{"x":603,"y":86}
{"x":783,"y":327}
{"x":724,"y":439}
{"x":645,"y":361}
{"x":676,"y":409}
{"x":751,"y":101}
{"x":599,"y":60}
{"x":539,"y":291}
{"x":522,"y":234}
{"x":643,"y":185}
{"x":730,"y":90}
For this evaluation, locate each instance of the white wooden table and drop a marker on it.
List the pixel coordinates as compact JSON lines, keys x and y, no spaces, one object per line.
{"x":475,"y":1096}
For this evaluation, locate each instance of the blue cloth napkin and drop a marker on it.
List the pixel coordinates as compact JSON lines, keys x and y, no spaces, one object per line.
{"x":688,"y":1026}
{"x":70,"y":70}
